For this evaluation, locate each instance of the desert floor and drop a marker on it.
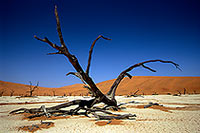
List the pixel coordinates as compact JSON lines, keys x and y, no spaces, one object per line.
{"x":178,"y":114}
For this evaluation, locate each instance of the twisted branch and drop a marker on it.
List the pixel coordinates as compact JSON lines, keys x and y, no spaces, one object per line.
{"x":91,"y":50}
{"x":113,"y":88}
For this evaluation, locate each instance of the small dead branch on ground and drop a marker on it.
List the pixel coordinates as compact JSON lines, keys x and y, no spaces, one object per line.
{"x":35,"y":127}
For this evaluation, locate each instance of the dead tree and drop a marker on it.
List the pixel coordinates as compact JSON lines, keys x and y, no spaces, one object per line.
{"x":54,"y":93}
{"x":184,"y":91}
{"x":32,"y":89}
{"x":98,"y":97}
{"x":154,"y":93}
{"x":179,"y":92}
{"x":11,"y":93}
{"x":134,"y":94}
{"x":2,"y":92}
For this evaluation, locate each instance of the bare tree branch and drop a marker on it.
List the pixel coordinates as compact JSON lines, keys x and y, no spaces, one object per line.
{"x":74,"y":61}
{"x":90,"y":90}
{"x":35,"y":87}
{"x":127,"y":74}
{"x":47,"y":41}
{"x":184,"y":91}
{"x":32,"y":89}
{"x":77,"y":75}
{"x":59,"y":30}
{"x":136,"y":92}
{"x":113,"y":88}
{"x":11,"y":92}
{"x":2,"y":92}
{"x":30,"y":85}
{"x":179,"y":92}
{"x":54,"y":53}
{"x":148,"y":68}
{"x":91,"y":50}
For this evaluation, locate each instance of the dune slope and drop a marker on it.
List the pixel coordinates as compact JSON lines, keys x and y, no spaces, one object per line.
{"x":146,"y":85}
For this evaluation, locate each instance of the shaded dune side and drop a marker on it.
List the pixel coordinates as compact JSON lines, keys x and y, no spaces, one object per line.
{"x":146,"y":84}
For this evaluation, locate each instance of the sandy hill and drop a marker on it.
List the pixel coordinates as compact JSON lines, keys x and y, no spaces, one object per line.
{"x":20,"y":89}
{"x":145,"y":84}
{"x":154,"y":84}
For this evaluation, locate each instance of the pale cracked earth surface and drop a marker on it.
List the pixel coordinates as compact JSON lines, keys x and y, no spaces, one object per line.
{"x":175,"y":120}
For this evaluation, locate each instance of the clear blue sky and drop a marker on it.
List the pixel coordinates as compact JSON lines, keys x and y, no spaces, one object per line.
{"x":140,"y":30}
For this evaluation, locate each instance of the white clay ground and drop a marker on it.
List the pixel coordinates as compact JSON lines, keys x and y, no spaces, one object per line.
{"x":147,"y":121}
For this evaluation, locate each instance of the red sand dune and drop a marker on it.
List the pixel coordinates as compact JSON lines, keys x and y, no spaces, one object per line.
{"x":145,"y":84}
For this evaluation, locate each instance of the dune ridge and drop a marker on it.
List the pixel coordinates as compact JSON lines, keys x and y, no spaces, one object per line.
{"x":146,"y":84}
